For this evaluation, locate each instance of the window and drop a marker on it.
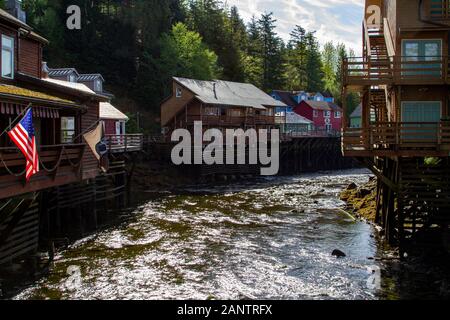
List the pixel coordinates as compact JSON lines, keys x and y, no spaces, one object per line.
{"x":98,"y":86}
{"x":337,"y":114}
{"x":212,"y":111}
{"x":179,"y":92}
{"x":316,"y":114}
{"x":327,"y":114}
{"x":7,"y":57}
{"x":235,"y":113}
{"x":423,"y":52}
{"x":67,"y":129}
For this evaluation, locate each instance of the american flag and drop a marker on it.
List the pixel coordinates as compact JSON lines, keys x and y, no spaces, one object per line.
{"x":23,"y":136}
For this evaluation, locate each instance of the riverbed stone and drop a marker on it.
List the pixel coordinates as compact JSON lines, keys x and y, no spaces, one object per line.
{"x":338,"y":253}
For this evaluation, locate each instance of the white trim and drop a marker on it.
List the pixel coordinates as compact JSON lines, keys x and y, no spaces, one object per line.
{"x":13,"y":56}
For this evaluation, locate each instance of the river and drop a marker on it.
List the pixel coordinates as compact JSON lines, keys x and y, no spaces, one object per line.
{"x":261,"y":239}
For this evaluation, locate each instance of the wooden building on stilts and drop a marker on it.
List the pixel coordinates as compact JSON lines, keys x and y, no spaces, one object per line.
{"x":404,"y":138}
{"x":61,"y":202}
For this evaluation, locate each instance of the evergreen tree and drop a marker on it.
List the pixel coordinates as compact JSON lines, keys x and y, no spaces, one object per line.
{"x":313,"y":64}
{"x":272,"y":54}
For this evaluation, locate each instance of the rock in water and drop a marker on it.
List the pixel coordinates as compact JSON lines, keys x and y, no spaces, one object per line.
{"x":352,"y":186}
{"x":338,"y":253}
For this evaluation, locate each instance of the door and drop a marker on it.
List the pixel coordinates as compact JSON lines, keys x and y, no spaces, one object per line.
{"x":428,"y":113}
{"x":425,"y":52}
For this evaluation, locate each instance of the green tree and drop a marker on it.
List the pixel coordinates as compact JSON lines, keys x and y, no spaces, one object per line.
{"x":296,"y":56}
{"x":184,"y":54}
{"x":313,"y":64}
{"x":271,"y":54}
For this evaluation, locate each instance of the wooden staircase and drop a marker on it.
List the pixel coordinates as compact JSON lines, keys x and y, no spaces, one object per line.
{"x":379,"y":104}
{"x":376,"y":52}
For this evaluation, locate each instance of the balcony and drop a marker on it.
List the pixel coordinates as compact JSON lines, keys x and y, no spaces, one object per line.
{"x":424,"y":139}
{"x":232,"y":121}
{"x":59,"y":164}
{"x":439,"y":10}
{"x":124,"y":143}
{"x":396,"y":71}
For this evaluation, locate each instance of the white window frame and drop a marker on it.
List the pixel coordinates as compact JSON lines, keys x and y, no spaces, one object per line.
{"x":315,"y":113}
{"x":337,"y":114}
{"x":98,"y":85}
{"x":327,"y":114}
{"x":178,"y":92}
{"x":12,"y":56}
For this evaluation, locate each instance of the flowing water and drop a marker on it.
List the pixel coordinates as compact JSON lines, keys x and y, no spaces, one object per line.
{"x":263,"y":239}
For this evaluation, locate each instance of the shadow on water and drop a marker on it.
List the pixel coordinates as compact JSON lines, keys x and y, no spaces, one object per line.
{"x":259,"y":239}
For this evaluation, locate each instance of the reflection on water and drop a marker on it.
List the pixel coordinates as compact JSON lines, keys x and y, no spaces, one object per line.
{"x":269,"y":239}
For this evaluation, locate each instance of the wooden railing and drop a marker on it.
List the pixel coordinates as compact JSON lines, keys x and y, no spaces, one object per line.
{"x":398,"y":70}
{"x":51,"y":160}
{"x":231,"y":120}
{"x":124,"y":143}
{"x":402,"y":136}
{"x":439,"y":10}
{"x":388,"y":38}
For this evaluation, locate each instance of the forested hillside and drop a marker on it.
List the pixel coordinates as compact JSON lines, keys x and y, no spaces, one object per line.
{"x":138,"y":45}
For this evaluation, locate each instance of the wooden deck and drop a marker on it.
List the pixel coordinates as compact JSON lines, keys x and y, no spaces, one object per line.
{"x":125,"y":143}
{"x":59,"y":164}
{"x":234,"y":121}
{"x":398,"y":139}
{"x":396,"y":71}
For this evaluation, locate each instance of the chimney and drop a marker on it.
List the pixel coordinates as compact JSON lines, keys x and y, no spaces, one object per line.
{"x":214,"y":88}
{"x":14,"y":7}
{"x":45,"y":70}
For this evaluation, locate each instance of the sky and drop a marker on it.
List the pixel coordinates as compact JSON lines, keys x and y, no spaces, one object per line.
{"x":334,"y":20}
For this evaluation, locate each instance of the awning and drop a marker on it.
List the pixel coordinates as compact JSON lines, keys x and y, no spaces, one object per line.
{"x":38,"y":112}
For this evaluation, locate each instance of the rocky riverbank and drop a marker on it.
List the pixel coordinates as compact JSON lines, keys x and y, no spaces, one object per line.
{"x":362,"y":200}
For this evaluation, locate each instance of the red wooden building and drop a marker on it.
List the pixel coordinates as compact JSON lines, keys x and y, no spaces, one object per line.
{"x":324,"y":115}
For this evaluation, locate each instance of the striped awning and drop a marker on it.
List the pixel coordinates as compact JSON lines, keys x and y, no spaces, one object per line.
{"x":38,"y":112}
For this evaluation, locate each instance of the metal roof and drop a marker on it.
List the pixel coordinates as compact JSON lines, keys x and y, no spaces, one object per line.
{"x":227,"y":93}
{"x":71,"y":85}
{"x":286,"y":96}
{"x":90,"y":77}
{"x":108,"y":111}
{"x":294,"y":118}
{"x":322,"y":105}
{"x":62,"y":72}
{"x":9,"y":17}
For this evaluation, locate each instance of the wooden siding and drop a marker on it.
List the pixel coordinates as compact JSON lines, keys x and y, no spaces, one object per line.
{"x":174,"y":105}
{"x":30,"y":58}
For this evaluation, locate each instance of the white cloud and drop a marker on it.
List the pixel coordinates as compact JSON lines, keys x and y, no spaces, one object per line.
{"x":334,"y":20}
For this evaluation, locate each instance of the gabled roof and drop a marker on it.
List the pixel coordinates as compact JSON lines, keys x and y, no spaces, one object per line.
{"x":294,"y":118}
{"x":70,"y":88}
{"x":327,"y":94}
{"x":286,"y":97}
{"x":90,"y":77}
{"x":227,"y":93}
{"x":358,"y":112}
{"x":323,"y":105}
{"x":72,"y":85}
{"x":109,"y":112}
{"x":4,"y":15}
{"x":62,"y":72}
{"x":15,"y":91}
